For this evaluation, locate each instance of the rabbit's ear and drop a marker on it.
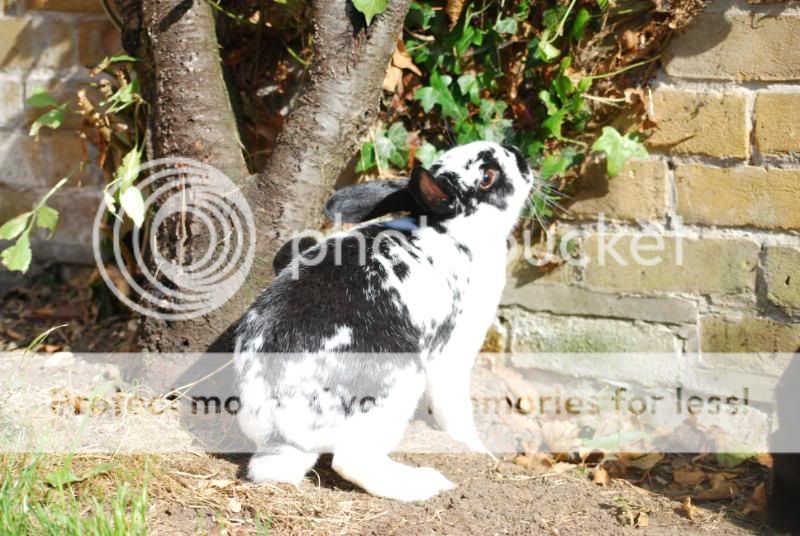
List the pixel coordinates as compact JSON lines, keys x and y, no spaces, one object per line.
{"x":290,"y":250}
{"x":431,"y":197}
{"x":370,"y":200}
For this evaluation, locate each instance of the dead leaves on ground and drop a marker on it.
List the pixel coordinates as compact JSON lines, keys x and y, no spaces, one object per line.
{"x":401,"y":60}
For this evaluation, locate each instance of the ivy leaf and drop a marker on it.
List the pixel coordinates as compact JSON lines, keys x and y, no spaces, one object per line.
{"x":554,"y":123}
{"x":13,"y":227}
{"x":507,"y":25}
{"x":52,"y":119}
{"x":398,"y":153}
{"x":579,"y":24}
{"x":17,"y":258}
{"x":47,"y":218}
{"x":618,"y":149}
{"x":427,"y":97}
{"x":427,"y":154}
{"x":129,"y":169}
{"x":370,"y":8}
{"x":41,"y":99}
{"x":468,"y":84}
{"x":558,"y":163}
{"x":132,"y":203}
{"x":366,"y":160}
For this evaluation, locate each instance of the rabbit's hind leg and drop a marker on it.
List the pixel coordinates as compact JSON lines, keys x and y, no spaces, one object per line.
{"x":283,"y":464}
{"x":361,"y":455}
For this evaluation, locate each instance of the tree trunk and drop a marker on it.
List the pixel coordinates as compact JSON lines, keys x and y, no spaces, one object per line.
{"x":192,"y":117}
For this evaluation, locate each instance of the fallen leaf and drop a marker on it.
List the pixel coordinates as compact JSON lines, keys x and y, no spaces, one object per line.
{"x":757,"y":504}
{"x":765,"y":459}
{"x":393,"y":79}
{"x":721,"y":488}
{"x":220,"y":483}
{"x":641,"y":520}
{"x":560,"y":436}
{"x":689,"y":509}
{"x":600,"y":476}
{"x":234,"y":505}
{"x":644,"y":463}
{"x":454,"y":8}
{"x":688,"y":477}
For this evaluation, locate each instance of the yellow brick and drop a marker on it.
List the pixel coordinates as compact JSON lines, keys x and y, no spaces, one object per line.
{"x":738,"y":46}
{"x":97,"y":40}
{"x":739,"y":196}
{"x":704,"y":123}
{"x":27,"y":43}
{"x":92,"y":6}
{"x":638,"y":192}
{"x":778,"y":122}
{"x":684,"y":265}
{"x":748,"y":335}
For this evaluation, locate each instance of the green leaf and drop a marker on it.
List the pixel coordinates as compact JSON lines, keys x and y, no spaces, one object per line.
{"x":579,"y":24}
{"x":468,"y":84}
{"x":547,"y":51}
{"x":466,"y":39}
{"x":547,"y":99}
{"x":444,"y":97}
{"x":729,"y":460}
{"x":398,"y":150}
{"x":41,"y":99}
{"x":420,"y":15}
{"x":13,"y":227}
{"x":52,"y":119}
{"x":427,"y":154}
{"x":618,"y":149}
{"x":17,"y":257}
{"x":558,"y":163}
{"x":109,"y":201}
{"x":47,"y":218}
{"x":366,"y":160}
{"x":132,"y":203}
{"x":507,"y":25}
{"x":122,"y":57}
{"x":129,"y":168}
{"x":370,"y":8}
{"x":554,"y":123}
{"x":427,"y":96}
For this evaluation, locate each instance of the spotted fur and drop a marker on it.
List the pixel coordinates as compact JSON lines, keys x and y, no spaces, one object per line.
{"x":335,"y":356}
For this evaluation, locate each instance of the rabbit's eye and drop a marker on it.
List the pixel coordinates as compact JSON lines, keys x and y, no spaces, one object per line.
{"x":489,"y":175}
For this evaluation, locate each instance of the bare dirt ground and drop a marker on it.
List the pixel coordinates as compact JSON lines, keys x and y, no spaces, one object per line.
{"x":191,"y":492}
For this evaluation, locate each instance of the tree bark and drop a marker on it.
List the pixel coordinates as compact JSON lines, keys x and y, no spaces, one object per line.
{"x":193,"y":117}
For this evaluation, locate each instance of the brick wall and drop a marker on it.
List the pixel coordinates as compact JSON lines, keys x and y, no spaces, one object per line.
{"x":722,"y":190}
{"x":49,"y":43}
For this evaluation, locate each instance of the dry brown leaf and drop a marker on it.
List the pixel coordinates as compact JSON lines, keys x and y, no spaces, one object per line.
{"x":689,"y":509}
{"x":118,"y":279}
{"x":721,"y":488}
{"x":560,"y":436}
{"x":642,"y":520}
{"x":688,"y":476}
{"x":600,"y":476}
{"x":765,"y":459}
{"x":758,"y":502}
{"x":393,"y":79}
{"x":644,"y":463}
{"x":454,"y":9}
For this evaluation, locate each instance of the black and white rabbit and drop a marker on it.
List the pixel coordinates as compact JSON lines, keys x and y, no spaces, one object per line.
{"x":336,"y":354}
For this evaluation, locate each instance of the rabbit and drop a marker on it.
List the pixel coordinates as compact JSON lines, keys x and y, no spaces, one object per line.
{"x":335,"y":355}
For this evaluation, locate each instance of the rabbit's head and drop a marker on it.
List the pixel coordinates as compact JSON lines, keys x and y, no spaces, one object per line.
{"x":482,"y":179}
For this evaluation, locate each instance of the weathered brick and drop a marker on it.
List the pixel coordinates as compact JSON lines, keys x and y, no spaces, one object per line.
{"x":97,"y":40}
{"x":29,"y":43}
{"x":686,"y":265}
{"x":70,"y":6}
{"x":782,"y":275}
{"x":700,"y":122}
{"x":748,"y":334}
{"x":777,"y":122}
{"x":638,"y":192}
{"x":548,"y":333}
{"x":63,"y":90}
{"x":28,"y":163}
{"x":563,"y":300}
{"x":738,"y":46}
{"x":10,"y":102}
{"x":746,"y":195}
{"x":72,"y":242}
